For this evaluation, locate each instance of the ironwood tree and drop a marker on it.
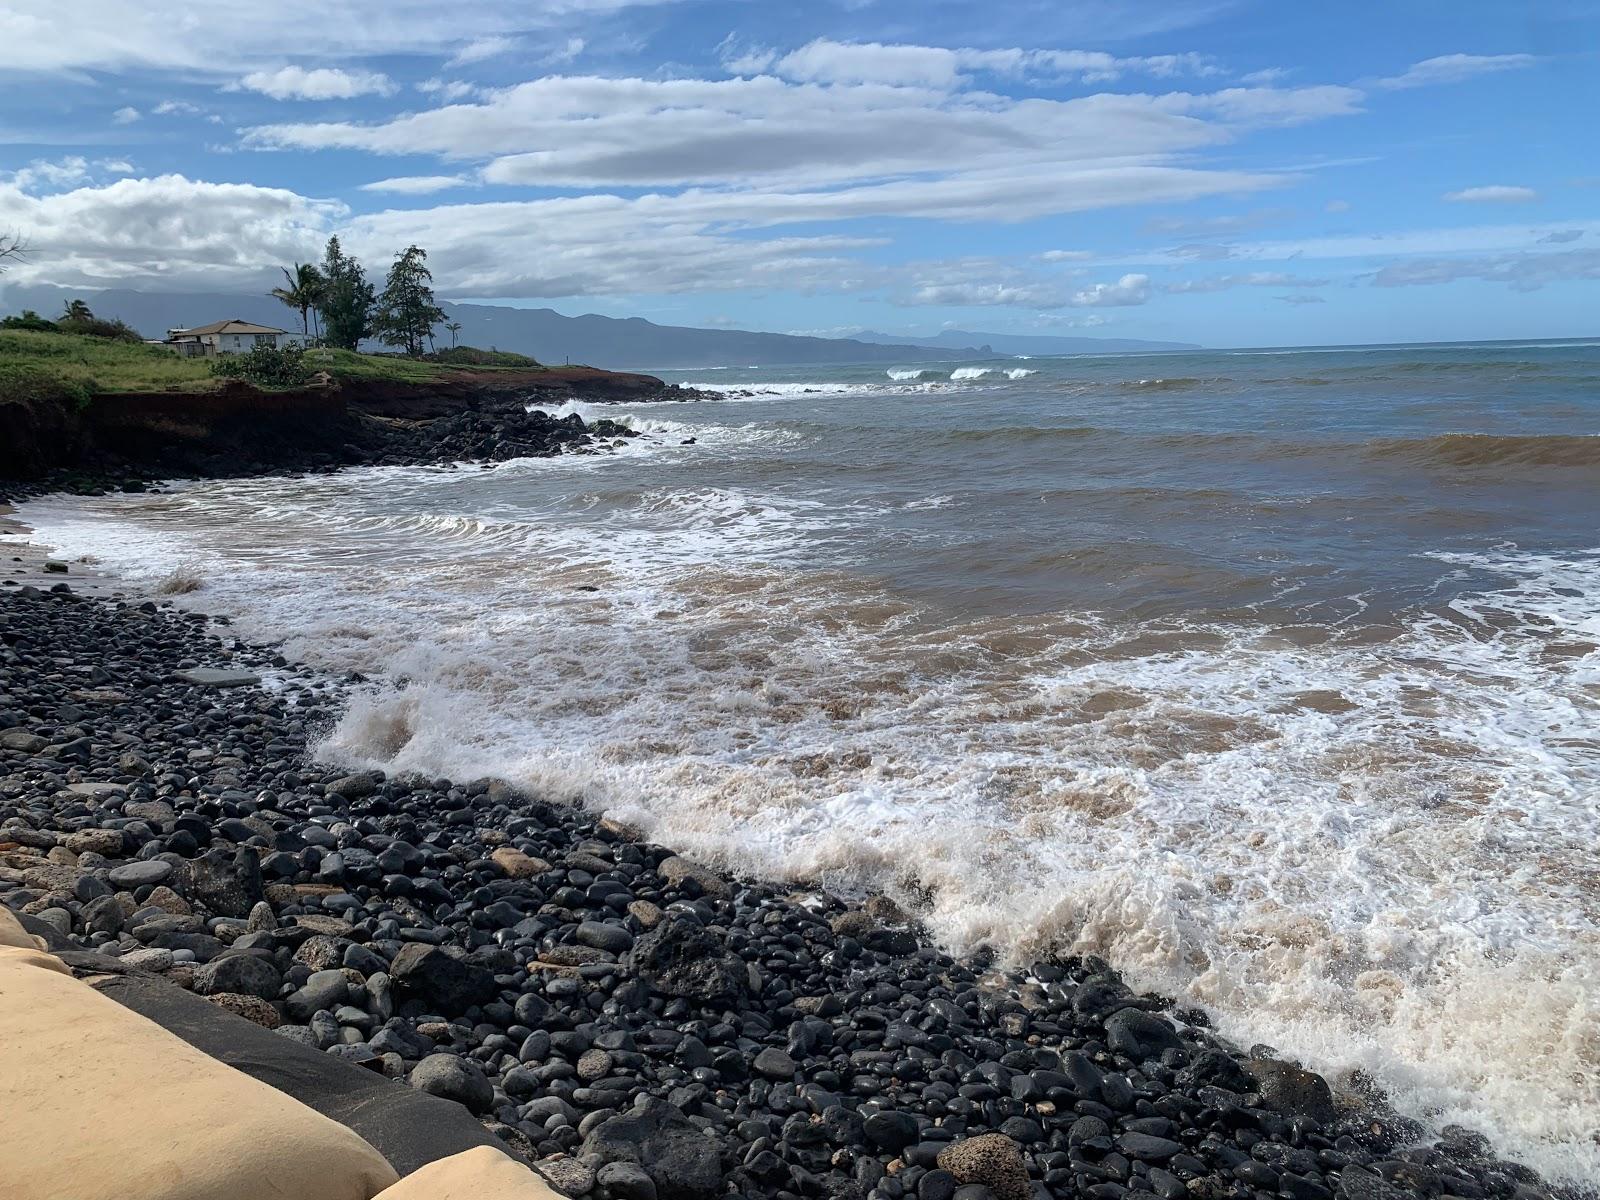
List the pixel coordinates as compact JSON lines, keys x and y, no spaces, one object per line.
{"x":406,"y":309}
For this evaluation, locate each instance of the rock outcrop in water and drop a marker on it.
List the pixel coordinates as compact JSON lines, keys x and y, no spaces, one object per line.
{"x":633,"y":1023}
{"x":129,"y":441}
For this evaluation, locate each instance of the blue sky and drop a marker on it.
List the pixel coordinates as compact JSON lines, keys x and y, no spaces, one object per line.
{"x":1226,"y":173}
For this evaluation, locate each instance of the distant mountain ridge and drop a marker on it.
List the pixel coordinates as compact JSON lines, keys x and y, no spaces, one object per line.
{"x":551,"y":337}
{"x":1025,"y":343}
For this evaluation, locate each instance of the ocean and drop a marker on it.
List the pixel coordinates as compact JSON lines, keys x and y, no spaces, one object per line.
{"x":1270,"y":677}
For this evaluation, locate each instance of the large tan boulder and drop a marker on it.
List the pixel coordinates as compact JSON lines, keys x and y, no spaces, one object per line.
{"x":12,"y":933}
{"x":676,"y":869}
{"x":102,"y":1104}
{"x":516,"y":864}
{"x":479,"y":1174}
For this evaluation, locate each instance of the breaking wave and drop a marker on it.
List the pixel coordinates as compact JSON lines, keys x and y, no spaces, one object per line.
{"x":1325,"y":766}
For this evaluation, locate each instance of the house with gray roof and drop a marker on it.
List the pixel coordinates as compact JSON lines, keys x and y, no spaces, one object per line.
{"x":227,"y":337}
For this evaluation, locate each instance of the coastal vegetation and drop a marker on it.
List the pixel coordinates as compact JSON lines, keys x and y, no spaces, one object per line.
{"x":75,"y":318}
{"x":265,"y":366}
{"x":346,"y":299}
{"x":37,"y":364}
{"x":347,"y":364}
{"x":78,"y":355}
{"x":340,"y":308}
{"x":406,"y":311}
{"x":302,"y":291}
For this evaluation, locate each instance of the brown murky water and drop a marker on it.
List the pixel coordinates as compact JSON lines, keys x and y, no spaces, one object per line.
{"x":1272,"y":678}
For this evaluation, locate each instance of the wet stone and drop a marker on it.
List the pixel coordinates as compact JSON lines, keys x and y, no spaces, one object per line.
{"x":633,"y":1021}
{"x":214,"y":677}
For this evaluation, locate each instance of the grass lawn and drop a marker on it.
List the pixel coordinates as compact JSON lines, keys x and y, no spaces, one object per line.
{"x":347,"y":364}
{"x":34,"y":364}
{"x":45,"y":362}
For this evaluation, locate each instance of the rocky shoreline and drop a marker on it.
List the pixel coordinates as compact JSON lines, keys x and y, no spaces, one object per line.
{"x":634,"y":1024}
{"x":141,"y":441}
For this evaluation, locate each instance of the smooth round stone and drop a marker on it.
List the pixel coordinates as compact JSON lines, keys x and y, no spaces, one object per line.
{"x":453,"y":1078}
{"x":137,"y":874}
{"x":775,"y":1064}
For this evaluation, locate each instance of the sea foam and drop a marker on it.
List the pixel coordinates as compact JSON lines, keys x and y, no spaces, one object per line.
{"x":1373,"y":849}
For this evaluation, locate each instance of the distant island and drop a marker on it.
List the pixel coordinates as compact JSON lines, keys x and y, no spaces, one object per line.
{"x":612,"y":342}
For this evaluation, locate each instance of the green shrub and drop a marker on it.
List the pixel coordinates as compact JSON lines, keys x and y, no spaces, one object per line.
{"x":115,"y":331}
{"x":29,"y":320}
{"x":26,"y":382}
{"x":265,"y":366}
{"x":471,"y":356}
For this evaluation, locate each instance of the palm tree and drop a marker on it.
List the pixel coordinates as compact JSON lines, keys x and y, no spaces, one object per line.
{"x":303,"y":293}
{"x":454,"y":327}
{"x":77,"y":311}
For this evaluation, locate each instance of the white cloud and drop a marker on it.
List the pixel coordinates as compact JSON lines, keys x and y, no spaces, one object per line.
{"x":827,"y":61}
{"x":569,"y":246}
{"x":416,"y":185}
{"x":448,"y":89}
{"x":586,"y":131}
{"x":1266,"y":75}
{"x":1300,"y":298}
{"x":1493,"y":194}
{"x":225,"y":40}
{"x":1052,"y":157}
{"x":1018,"y":295}
{"x":318,"y":83}
{"x":824,"y":61}
{"x":42,"y":173}
{"x":566,"y":53}
{"x":1201,"y":252}
{"x":1056,"y":256}
{"x":1266,"y":107}
{"x":169,"y":108}
{"x":125,"y":116}
{"x":1220,"y":283}
{"x":995,"y":281}
{"x":1218,"y":226}
{"x":115,"y":166}
{"x":1522,"y":272}
{"x":1460,"y":239}
{"x":1337,"y":206}
{"x":174,"y":233}
{"x":481,"y":48}
{"x":1454,"y":68}
{"x":1130,"y":289}
{"x":166,"y":230}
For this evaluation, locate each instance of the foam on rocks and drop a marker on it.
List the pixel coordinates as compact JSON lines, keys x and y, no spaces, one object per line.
{"x":632,"y":1023}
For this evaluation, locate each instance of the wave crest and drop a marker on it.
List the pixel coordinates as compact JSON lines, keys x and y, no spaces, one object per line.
{"x":1492,"y":450}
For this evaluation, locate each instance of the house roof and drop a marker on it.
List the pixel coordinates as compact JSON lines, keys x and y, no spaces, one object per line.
{"x":233,"y":325}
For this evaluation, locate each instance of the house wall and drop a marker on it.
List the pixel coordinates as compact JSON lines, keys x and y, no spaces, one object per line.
{"x":241,"y":343}
{"x":207,"y":345}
